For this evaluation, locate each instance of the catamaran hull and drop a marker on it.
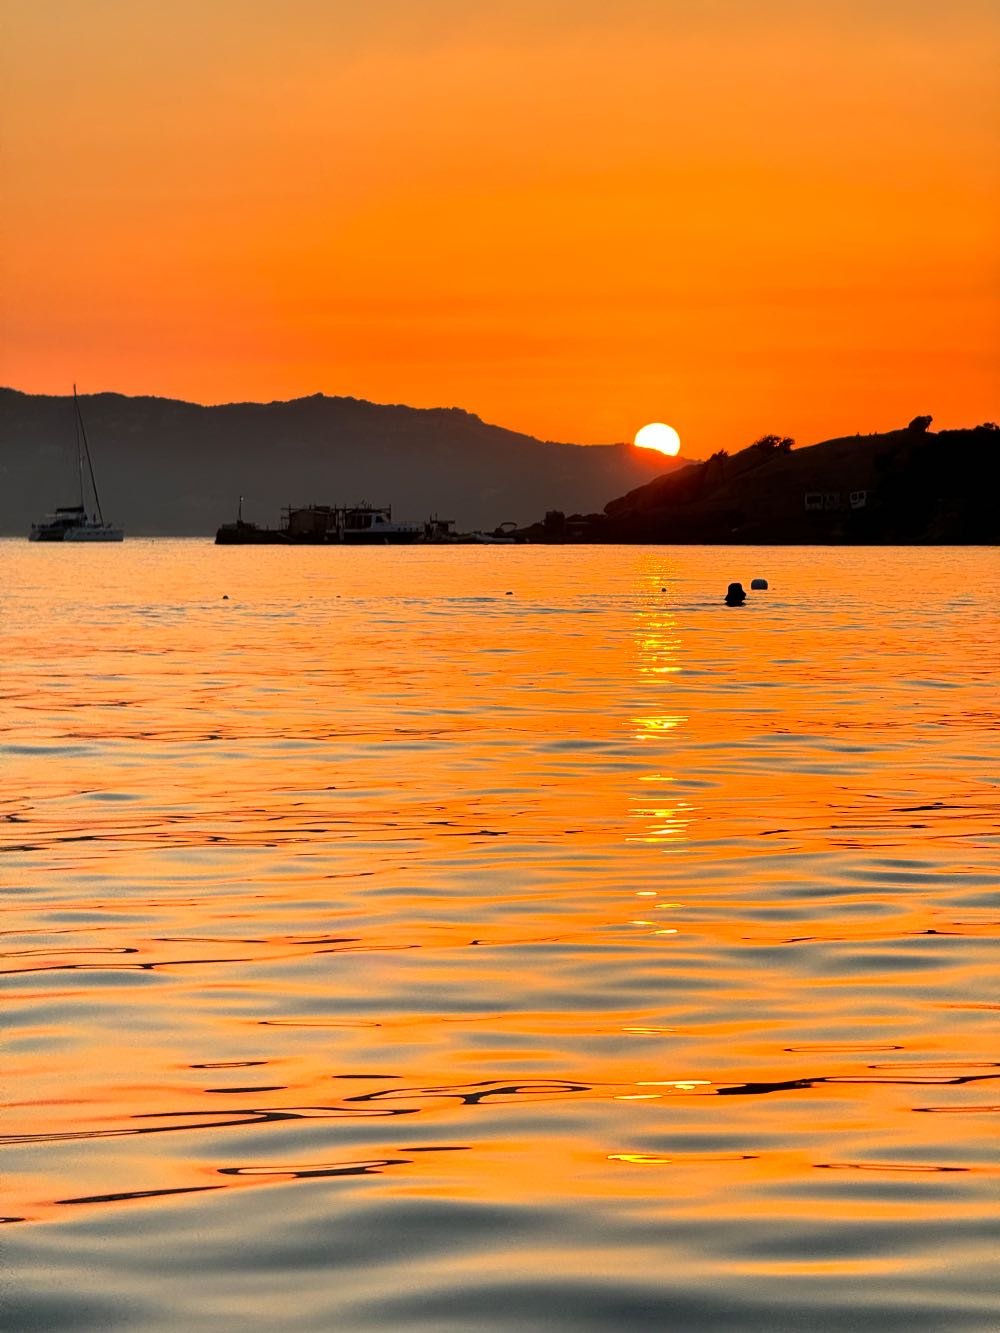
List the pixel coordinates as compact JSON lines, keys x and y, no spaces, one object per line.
{"x":76,"y":535}
{"x":94,"y":535}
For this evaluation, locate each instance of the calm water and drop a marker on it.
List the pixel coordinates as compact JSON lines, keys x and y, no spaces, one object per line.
{"x":502,"y":938}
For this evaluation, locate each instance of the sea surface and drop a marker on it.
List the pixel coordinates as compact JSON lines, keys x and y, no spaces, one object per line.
{"x":508,"y":938}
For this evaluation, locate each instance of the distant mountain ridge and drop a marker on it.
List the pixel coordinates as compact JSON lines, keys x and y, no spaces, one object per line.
{"x":169,"y":467}
{"x":909,"y":486}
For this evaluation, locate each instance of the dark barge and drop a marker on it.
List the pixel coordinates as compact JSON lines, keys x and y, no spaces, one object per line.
{"x":333,"y":525}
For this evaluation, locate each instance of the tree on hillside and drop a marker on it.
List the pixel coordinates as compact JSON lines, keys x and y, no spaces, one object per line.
{"x":715,"y":467}
{"x":774,"y":444}
{"x":555,"y":525}
{"x":919,"y":425}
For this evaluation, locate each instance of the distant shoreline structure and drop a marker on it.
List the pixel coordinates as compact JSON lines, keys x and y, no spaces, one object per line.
{"x":351,"y":525}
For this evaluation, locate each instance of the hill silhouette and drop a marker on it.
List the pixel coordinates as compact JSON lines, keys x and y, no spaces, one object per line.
{"x":174,"y":468}
{"x":907,"y":486}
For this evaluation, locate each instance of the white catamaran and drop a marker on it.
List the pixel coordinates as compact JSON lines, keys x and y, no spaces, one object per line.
{"x":72,"y":523}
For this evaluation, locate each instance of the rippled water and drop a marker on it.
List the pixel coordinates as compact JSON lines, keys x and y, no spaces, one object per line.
{"x":502,"y":938}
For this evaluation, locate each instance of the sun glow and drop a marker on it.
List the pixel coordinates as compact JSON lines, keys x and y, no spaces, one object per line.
{"x":664,"y":439}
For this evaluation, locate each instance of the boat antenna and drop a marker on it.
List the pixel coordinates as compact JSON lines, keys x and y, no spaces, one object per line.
{"x":90,"y":466}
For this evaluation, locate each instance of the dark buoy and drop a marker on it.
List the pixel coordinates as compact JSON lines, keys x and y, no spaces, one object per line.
{"x":758,"y":585}
{"x":225,"y":596}
{"x":508,"y":594}
{"x":735,"y":596}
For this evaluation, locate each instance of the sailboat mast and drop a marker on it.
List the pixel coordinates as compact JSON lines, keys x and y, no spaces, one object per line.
{"x":90,"y":466}
{"x":79,"y":445}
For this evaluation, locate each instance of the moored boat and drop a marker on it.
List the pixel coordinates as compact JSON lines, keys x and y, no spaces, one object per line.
{"x":351,"y":525}
{"x":72,"y":523}
{"x":368,"y":526}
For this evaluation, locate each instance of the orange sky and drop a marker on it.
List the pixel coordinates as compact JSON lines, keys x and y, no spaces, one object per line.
{"x":568,"y":216}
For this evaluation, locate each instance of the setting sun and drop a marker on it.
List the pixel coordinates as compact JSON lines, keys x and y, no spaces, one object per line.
{"x":664,"y":439}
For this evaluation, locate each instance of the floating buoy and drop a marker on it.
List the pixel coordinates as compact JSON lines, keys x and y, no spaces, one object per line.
{"x":758,"y":585}
{"x":735,"y":596}
{"x":225,"y":596}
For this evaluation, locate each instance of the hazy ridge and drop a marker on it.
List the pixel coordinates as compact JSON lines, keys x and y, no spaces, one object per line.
{"x":176,"y":468}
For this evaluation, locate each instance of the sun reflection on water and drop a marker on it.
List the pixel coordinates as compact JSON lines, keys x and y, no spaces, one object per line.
{"x":657,"y":648}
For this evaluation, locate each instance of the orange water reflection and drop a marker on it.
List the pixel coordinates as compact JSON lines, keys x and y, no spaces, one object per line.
{"x":593,"y":901}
